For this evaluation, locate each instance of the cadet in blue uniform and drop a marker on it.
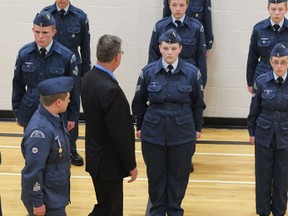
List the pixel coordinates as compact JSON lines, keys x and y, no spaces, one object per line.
{"x":73,"y":32}
{"x":168,"y":107}
{"x":268,"y":129}
{"x":42,"y":59}
{"x":190,"y":30}
{"x":46,"y":150}
{"x":200,"y":10}
{"x":265,"y":35}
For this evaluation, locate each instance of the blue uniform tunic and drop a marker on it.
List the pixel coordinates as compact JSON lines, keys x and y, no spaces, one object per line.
{"x":193,"y":42}
{"x":200,"y":10}
{"x":168,"y":110}
{"x":73,"y":32}
{"x":268,"y":123}
{"x":46,"y":150}
{"x":262,"y":41}
{"x":31,"y":69}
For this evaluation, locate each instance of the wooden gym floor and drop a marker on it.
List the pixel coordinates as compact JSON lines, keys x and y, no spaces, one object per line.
{"x":222,"y":183}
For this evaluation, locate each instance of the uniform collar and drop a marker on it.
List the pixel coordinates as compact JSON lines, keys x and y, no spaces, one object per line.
{"x":284,"y":76}
{"x":70,"y":8}
{"x":280,"y":24}
{"x":174,"y":19}
{"x":56,"y":121}
{"x":65,"y":9}
{"x":47,"y":48}
{"x":267,"y":23}
{"x":165,"y":65}
{"x":180,"y":67}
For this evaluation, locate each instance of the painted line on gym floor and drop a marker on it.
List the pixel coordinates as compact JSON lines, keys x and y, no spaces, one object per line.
{"x":140,"y":152}
{"x":145,"y":179}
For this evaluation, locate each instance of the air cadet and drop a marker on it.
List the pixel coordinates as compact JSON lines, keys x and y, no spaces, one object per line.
{"x":42,"y":59}
{"x":168,"y":107}
{"x":73,"y":32}
{"x":190,"y":30}
{"x":265,"y":35}
{"x":46,"y":150}
{"x":200,"y":10}
{"x":268,"y":126}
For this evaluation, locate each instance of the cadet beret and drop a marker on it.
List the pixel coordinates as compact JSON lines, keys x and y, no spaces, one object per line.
{"x":55,"y":85}
{"x":279,"y":50}
{"x":44,"y":19}
{"x":276,"y":1}
{"x":171,"y":36}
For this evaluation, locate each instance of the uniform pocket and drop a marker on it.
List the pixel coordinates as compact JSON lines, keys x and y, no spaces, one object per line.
{"x":197,"y":12}
{"x":56,"y":71}
{"x":152,"y":118}
{"x":184,"y":120}
{"x":264,"y":123}
{"x":154,"y":88}
{"x":188,"y":48}
{"x":74,"y":35}
{"x":56,"y":178}
{"x":29,"y":74}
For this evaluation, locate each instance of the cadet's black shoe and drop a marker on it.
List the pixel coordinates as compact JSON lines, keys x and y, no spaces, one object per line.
{"x":76,"y":159}
{"x":192,"y":168}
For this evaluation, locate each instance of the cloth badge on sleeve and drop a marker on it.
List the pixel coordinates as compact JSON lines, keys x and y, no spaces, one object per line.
{"x":37,"y":134}
{"x":35,"y":150}
{"x":36,"y":187}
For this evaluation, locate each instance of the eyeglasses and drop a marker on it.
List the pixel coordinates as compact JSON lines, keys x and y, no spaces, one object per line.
{"x":281,"y":63}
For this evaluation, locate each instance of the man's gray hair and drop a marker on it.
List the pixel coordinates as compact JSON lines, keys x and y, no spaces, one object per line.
{"x":108,"y":47}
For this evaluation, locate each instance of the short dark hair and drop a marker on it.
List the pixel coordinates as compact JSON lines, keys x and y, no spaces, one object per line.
{"x":50,"y":99}
{"x":108,"y":47}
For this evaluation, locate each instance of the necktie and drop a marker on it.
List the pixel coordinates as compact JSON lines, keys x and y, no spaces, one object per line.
{"x":178,"y":22}
{"x":279,"y":81}
{"x":276,"y":27}
{"x":62,"y":12}
{"x":170,"y":68}
{"x":43,"y":52}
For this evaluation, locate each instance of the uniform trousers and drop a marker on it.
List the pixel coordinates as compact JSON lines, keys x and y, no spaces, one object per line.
{"x":49,"y":212}
{"x":168,"y":170}
{"x":109,"y":195}
{"x":271,"y":166}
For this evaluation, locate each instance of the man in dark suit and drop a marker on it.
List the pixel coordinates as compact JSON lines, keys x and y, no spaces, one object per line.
{"x":109,"y":135}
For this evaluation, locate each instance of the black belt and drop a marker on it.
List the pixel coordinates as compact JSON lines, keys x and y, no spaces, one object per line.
{"x":171,"y":106}
{"x":275,"y":114}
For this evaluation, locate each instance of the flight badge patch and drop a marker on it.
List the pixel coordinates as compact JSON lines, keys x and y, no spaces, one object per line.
{"x":35,"y":150}
{"x":37,"y":134}
{"x":36,"y":187}
{"x":198,"y":75}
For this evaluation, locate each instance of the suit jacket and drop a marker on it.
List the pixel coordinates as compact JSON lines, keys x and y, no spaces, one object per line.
{"x":109,"y":135}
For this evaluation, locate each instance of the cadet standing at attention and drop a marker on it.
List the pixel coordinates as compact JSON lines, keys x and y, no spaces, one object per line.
{"x":267,"y":125}
{"x":265,"y":35}
{"x":46,"y":150}
{"x":168,"y":109}
{"x":40,"y":60}
{"x":191,"y":32}
{"x":73,"y":32}
{"x":200,"y":10}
